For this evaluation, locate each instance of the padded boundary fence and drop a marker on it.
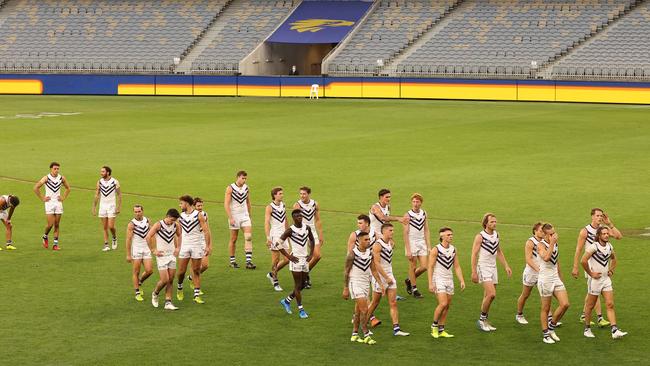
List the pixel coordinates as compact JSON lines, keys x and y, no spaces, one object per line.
{"x":336,"y":87}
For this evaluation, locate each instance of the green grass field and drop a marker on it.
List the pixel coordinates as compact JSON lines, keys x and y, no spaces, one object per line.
{"x":523,"y":161}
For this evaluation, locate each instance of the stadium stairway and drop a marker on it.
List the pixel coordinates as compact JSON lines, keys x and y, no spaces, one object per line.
{"x":390,"y":67}
{"x":201,"y":43}
{"x":546,"y":69}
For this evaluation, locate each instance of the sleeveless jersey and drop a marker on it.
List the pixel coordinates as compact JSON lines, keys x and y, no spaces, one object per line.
{"x":376,"y":222}
{"x":308,"y":211}
{"x":238,"y":201}
{"x":535,"y":244}
{"x":444,"y":262}
{"x":386,"y":255}
{"x":107,"y":191}
{"x":416,"y":225}
{"x":361,"y":264}
{"x":599,"y":260}
{"x":549,"y":269}
{"x":5,"y":206}
{"x":140,"y":231}
{"x":53,"y":187}
{"x":299,"y":240}
{"x":591,"y":235}
{"x":191,"y":228}
{"x":487,"y":255}
{"x":278,"y":218}
{"x":165,"y":238}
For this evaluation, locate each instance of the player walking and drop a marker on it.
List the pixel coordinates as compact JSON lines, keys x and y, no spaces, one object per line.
{"x":417,"y":241}
{"x":237,"y":203}
{"x":275,"y":224}
{"x":109,"y":195}
{"x":165,"y":248}
{"x":311,"y":217}
{"x":137,"y":249}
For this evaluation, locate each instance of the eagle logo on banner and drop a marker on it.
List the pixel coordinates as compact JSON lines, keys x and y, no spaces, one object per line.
{"x":315,"y":25}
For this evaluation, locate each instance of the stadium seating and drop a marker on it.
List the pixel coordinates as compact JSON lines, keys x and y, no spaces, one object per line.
{"x":505,"y":36}
{"x":242,"y":26}
{"x":112,"y":35}
{"x":621,"y":52}
{"x":390,"y":28}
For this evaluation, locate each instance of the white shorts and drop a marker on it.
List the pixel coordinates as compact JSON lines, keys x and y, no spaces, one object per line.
{"x":444,"y":285}
{"x":418,"y":248}
{"x":107,"y":210}
{"x":384,"y":284}
{"x":240,"y":221}
{"x":54,"y":207}
{"x":140,"y":252}
{"x":194,"y":251}
{"x":314,"y":232}
{"x":487,"y":274}
{"x":359,"y":288}
{"x":166,"y":262}
{"x":598,"y":286}
{"x":547,"y":287}
{"x":529,"y":277}
{"x":301,"y":266}
{"x":4,"y":215}
{"x":275,"y":246}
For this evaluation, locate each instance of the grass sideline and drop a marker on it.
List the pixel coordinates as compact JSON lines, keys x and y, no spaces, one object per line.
{"x":523,"y":161}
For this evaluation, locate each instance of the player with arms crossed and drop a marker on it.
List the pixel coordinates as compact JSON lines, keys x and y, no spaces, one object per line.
{"x":586,"y":237}
{"x":311,"y":217}
{"x":549,"y":284}
{"x":237,"y":203}
{"x":417,"y":241}
{"x":275,"y":224}
{"x":599,"y":261}
{"x":359,"y":269}
{"x":299,"y":236}
{"x":165,"y":247}
{"x":137,"y":249}
{"x":109,"y":195}
{"x":441,"y":280}
{"x":8,"y":204}
{"x":382,"y":256}
{"x":53,"y":201}
{"x":195,"y":232}
{"x":485,"y":252}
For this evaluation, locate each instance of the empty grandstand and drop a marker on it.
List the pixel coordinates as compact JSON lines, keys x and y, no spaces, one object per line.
{"x":576,"y":39}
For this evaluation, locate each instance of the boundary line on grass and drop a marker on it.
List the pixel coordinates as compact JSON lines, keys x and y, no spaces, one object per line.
{"x":162,"y":197}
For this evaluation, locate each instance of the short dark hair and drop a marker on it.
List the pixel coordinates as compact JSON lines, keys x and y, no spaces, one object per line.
{"x":198,"y":200}
{"x":365,"y":218}
{"x":362,"y":234}
{"x":385,"y":226}
{"x":306,"y":189}
{"x":296,"y":212}
{"x":138,"y":206}
{"x":275,"y":191}
{"x":108,"y":169}
{"x":596,"y":209}
{"x":383,"y":192}
{"x":242,"y":173}
{"x":536,"y":226}
{"x":444,"y":228}
{"x":14,"y":200}
{"x":172,"y":212}
{"x":186,"y":198}
{"x":53,"y":164}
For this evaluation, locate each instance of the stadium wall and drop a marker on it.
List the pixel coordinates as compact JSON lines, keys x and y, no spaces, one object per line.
{"x":338,"y":87}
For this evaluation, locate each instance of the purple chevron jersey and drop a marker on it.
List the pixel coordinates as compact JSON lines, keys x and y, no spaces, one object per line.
{"x":487,"y":255}
{"x":600,"y":257}
{"x":361,"y":264}
{"x":444,"y":262}
{"x":549,"y":269}
{"x":238,"y":196}
{"x":165,"y":238}
{"x":416,"y":225}
{"x":190,"y":227}
{"x":53,"y":186}
{"x":107,"y":190}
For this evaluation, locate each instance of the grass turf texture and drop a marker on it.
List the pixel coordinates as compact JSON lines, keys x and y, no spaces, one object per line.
{"x":523,"y":161}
